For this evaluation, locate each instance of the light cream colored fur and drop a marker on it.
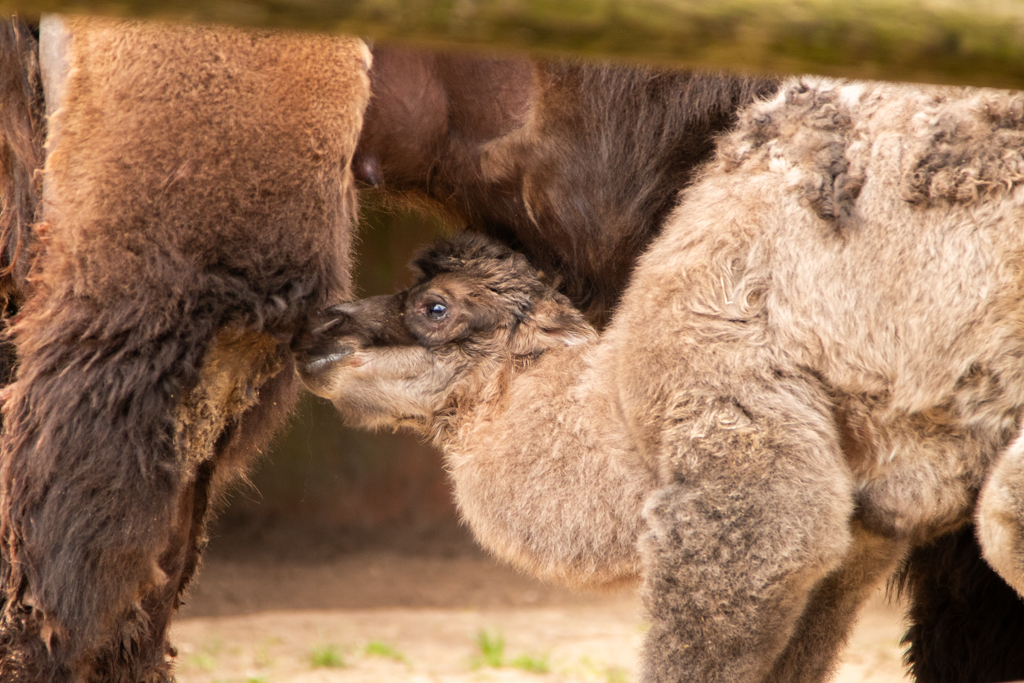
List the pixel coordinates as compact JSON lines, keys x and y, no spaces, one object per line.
{"x":815,"y":367}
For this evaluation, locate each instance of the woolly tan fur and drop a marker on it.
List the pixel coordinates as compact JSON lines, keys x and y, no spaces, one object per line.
{"x":813,"y":370}
{"x":578,"y":165}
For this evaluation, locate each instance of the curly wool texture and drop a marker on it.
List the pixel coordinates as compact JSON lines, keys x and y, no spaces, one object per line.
{"x":798,"y":281}
{"x":198,"y":209}
{"x":578,"y":165}
{"x":810,"y":374}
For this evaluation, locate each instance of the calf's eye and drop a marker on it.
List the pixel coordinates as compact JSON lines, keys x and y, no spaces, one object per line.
{"x":437,"y":311}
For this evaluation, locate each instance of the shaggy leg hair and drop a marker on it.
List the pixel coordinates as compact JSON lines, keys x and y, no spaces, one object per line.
{"x":22,"y":128}
{"x":198,"y":210}
{"x":775,"y":483}
{"x":826,"y":623}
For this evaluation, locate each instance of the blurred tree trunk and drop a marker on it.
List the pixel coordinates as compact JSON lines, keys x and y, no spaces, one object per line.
{"x":978,"y":42}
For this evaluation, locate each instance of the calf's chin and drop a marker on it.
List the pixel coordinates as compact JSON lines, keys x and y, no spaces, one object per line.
{"x":381,"y":387}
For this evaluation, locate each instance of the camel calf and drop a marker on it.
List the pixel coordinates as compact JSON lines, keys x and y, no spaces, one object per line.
{"x":813,"y":370}
{"x":480,"y":340}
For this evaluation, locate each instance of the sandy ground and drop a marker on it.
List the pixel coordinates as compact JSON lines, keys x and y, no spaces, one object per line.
{"x":389,"y":616}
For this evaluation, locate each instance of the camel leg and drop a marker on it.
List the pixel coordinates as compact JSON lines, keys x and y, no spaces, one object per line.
{"x":832,"y":610}
{"x":197,"y":211}
{"x":756,"y":515}
{"x":965,"y":623}
{"x":146,"y":626}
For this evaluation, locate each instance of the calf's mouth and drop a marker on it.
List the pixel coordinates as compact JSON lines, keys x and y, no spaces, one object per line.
{"x":340,"y":332}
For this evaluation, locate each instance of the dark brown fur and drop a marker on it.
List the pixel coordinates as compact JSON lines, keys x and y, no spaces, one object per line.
{"x":574,"y":164}
{"x":22,"y":129}
{"x":198,"y":208}
{"x":954,"y":597}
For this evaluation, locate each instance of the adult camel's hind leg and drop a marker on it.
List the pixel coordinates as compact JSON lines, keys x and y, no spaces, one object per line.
{"x":965,"y":622}
{"x":755,"y":515}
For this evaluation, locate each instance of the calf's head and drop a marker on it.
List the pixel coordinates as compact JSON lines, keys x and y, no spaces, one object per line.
{"x":477,"y":309}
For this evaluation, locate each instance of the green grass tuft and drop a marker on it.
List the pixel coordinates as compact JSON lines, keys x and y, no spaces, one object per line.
{"x":376,"y":648}
{"x":326,"y":656}
{"x":202,"y":660}
{"x":206,"y":657}
{"x":533,"y":664}
{"x":492,"y":650}
{"x":615,"y":674}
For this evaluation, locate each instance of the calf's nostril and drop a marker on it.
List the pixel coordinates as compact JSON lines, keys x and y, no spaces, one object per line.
{"x":335,"y":318}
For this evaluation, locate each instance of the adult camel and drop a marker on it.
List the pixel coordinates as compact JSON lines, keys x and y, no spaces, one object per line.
{"x":193,"y":207}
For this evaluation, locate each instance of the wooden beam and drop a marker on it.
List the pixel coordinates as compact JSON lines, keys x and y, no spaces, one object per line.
{"x":978,"y":42}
